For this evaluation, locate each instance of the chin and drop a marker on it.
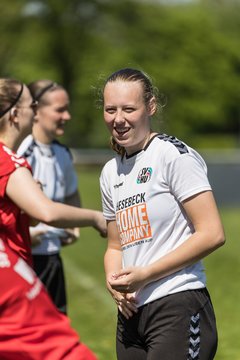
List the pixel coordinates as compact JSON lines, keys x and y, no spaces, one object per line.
{"x":122,"y":141}
{"x":59,"y":132}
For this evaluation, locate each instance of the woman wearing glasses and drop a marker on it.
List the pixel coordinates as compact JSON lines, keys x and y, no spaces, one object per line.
{"x":52,"y":166}
{"x":20,"y":195}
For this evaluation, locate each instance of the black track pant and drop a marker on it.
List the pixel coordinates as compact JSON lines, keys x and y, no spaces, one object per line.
{"x":180,"y":326}
{"x":49,"y":269}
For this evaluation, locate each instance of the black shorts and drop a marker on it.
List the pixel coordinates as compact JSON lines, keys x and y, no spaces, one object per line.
{"x":49,"y":269}
{"x":180,"y":326}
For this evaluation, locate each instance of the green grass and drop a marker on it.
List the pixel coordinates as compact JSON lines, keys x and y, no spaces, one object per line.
{"x":91,"y":310}
{"x":223,"y":274}
{"x":93,"y":313}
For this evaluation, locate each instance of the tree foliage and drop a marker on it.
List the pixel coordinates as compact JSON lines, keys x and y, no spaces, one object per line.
{"x":191,"y":51}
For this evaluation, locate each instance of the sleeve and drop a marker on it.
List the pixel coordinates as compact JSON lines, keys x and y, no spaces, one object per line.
{"x":8,"y":164}
{"x":186,"y":176}
{"x":107,"y":200}
{"x":4,"y":176}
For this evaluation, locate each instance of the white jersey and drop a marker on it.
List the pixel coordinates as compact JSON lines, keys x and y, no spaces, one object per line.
{"x":143,"y":193}
{"x":51,"y":165}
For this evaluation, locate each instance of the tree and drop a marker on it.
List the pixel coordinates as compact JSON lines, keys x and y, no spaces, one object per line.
{"x":191,"y":51}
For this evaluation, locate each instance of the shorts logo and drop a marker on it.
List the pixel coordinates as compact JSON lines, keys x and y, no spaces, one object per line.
{"x":144,"y":175}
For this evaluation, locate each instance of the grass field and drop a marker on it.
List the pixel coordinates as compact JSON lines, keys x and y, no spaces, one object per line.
{"x":91,"y":309}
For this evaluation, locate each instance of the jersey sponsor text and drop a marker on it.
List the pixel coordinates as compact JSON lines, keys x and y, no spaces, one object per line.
{"x":130,"y":201}
{"x":132,"y":222}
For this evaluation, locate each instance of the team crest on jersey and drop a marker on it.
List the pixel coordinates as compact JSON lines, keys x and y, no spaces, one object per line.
{"x":144,"y":175}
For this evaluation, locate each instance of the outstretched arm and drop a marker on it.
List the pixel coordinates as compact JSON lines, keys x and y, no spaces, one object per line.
{"x":26,"y":194}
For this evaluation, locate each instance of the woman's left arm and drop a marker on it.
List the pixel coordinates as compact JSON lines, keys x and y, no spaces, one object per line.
{"x":202,"y":211}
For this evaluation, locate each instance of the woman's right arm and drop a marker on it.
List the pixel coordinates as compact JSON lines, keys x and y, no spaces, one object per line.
{"x":26,"y":194}
{"x":113,"y":264}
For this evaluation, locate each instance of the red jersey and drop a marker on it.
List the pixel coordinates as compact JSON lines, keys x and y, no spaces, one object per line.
{"x":31,"y":327}
{"x":14,"y":224}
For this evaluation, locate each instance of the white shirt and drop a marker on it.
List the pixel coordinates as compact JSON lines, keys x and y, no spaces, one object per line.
{"x":51,"y":165}
{"x":143,"y":193}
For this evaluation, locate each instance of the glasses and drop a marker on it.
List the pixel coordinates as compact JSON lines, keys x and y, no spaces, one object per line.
{"x":33,"y":106}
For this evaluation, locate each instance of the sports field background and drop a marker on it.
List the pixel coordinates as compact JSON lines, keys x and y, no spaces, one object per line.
{"x":93,"y":313}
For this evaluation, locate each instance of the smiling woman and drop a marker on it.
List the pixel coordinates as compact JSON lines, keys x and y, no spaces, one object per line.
{"x":127,"y":111}
{"x":53,"y":167}
{"x":126,"y":115}
{"x":162,"y":220}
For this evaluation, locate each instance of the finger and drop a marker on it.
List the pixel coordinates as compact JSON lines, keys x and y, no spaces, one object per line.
{"x":120,"y":281}
{"x":131,"y":297}
{"x":125,"y":311}
{"x":130,"y":306}
{"x":120,"y":289}
{"x":123,"y":288}
{"x":120,"y":275}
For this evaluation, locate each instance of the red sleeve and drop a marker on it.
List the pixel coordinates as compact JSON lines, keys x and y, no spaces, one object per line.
{"x":9,"y":162}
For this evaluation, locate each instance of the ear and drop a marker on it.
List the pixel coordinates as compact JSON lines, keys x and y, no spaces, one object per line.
{"x":13,"y":117}
{"x":152,"y":106}
{"x":13,"y":113}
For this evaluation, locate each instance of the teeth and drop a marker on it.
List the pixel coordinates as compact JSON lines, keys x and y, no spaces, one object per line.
{"x":121,"y":131}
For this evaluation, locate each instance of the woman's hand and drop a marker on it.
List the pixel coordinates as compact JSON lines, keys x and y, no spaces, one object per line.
{"x":129,"y":280}
{"x":71,"y":235}
{"x":126,"y":303}
{"x":36,"y":234}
